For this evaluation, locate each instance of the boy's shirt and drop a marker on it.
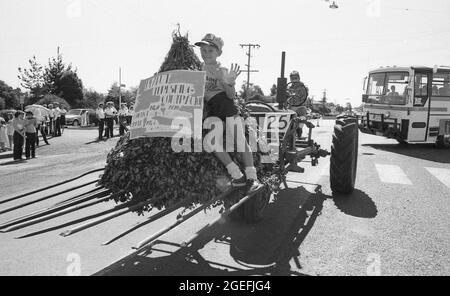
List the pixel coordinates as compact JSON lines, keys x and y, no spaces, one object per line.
{"x":213,"y":86}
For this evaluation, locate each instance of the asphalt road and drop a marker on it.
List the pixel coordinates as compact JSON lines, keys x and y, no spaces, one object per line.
{"x":395,"y":223}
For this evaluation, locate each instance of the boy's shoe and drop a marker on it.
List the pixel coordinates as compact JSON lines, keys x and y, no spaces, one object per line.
{"x":241,"y":182}
{"x":253,"y":185}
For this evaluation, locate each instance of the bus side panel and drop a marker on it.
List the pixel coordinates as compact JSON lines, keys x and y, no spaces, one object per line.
{"x":417,"y":126}
{"x":440,"y":113}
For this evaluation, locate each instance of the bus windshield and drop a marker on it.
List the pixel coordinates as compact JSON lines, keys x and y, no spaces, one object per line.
{"x":388,"y":88}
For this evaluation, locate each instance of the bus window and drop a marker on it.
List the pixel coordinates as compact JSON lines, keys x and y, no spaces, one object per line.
{"x":396,"y":89}
{"x":420,"y":89}
{"x":441,"y":84}
{"x":375,"y":87}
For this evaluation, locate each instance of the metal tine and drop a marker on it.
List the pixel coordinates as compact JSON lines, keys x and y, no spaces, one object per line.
{"x":32,"y":214}
{"x":45,"y":198}
{"x":57,"y":211}
{"x":69,"y":200}
{"x":51,"y":186}
{"x":116,"y":213}
{"x":83,"y":219}
{"x":57,"y":214}
{"x":149,"y":220}
{"x":183,"y":219}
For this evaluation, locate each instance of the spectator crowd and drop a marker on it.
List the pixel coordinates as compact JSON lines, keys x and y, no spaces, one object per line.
{"x":108,"y":114}
{"x":19,"y":130}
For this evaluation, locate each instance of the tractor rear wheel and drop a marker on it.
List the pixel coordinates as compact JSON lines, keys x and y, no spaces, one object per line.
{"x":253,"y":209}
{"x":344,"y":156}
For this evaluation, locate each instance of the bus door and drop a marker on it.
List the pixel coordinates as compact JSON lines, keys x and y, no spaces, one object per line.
{"x":420,"y":113}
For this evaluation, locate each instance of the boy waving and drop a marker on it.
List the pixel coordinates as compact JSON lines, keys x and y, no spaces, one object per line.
{"x":219,"y":97}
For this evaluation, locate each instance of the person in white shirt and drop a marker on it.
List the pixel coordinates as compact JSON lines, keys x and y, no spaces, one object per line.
{"x":40,"y":119}
{"x":57,"y":114}
{"x":51,"y":115}
{"x":110,"y":114}
{"x":123,"y":112}
{"x":100,"y":113}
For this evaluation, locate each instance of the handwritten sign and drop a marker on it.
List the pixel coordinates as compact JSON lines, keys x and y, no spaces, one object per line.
{"x":166,"y":100}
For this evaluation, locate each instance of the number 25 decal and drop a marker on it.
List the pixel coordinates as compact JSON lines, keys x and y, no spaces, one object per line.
{"x":282,"y":121}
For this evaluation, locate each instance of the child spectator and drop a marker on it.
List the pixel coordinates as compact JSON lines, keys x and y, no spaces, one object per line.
{"x":219,"y":97}
{"x":30,"y":132}
{"x":4,"y":142}
{"x":19,"y":135}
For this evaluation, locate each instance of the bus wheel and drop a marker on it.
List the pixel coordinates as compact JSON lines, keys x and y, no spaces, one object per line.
{"x":442,"y":143}
{"x":344,"y":157}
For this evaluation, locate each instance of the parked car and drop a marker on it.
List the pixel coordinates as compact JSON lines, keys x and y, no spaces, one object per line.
{"x":73,"y":117}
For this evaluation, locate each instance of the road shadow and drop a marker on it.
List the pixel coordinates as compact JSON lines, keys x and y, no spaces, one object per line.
{"x":12,"y":162}
{"x":357,"y":204}
{"x":422,"y":151}
{"x":95,"y":142}
{"x":264,"y":248}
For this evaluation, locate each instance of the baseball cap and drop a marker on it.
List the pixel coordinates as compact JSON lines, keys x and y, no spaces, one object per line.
{"x":294,"y":73}
{"x":213,"y":40}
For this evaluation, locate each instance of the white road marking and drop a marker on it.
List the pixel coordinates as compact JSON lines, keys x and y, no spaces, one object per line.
{"x":441,"y":174}
{"x":326,"y":169}
{"x":392,"y":174}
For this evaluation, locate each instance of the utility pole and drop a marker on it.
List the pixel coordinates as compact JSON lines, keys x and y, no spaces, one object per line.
{"x":324,"y":100}
{"x":249,"y":54}
{"x":120,"y":87}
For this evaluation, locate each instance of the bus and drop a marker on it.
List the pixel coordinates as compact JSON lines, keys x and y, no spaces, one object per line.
{"x":409,"y":104}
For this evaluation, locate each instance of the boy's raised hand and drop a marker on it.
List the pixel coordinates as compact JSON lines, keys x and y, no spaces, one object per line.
{"x":231,"y":75}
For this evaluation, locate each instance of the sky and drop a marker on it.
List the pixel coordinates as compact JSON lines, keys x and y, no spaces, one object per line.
{"x":333,"y":49}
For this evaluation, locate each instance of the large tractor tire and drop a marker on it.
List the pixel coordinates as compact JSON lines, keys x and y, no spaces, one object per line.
{"x":344,"y":156}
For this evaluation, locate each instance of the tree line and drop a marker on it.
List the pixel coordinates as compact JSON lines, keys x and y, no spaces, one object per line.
{"x":57,"y":82}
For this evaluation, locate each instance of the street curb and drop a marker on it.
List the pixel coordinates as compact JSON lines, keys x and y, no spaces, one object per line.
{"x":4,"y":156}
